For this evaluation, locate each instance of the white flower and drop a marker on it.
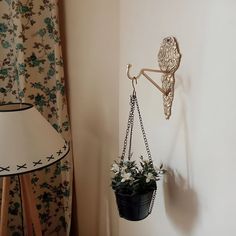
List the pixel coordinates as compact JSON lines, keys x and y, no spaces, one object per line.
{"x":149,"y":176}
{"x":126,"y":176}
{"x":115,"y":168}
{"x":159,"y":171}
{"x":146,"y":161}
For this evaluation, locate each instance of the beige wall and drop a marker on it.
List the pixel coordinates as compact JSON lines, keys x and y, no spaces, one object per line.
{"x":92,"y":45}
{"x":198,"y":142}
{"x":197,"y":198}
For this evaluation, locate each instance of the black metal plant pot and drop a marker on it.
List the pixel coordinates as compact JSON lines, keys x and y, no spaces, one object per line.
{"x":136,"y":206}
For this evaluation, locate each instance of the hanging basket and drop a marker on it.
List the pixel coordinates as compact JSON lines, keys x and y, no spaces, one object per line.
{"x":136,"y":206}
{"x":134,"y":203}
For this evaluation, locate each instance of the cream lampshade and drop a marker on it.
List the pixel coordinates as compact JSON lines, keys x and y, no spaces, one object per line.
{"x":27,"y":141}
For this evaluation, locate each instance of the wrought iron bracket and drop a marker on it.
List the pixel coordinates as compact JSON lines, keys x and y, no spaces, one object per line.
{"x":169,"y":61}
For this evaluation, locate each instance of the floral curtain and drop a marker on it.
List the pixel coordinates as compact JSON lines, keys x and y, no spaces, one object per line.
{"x":31,"y":70}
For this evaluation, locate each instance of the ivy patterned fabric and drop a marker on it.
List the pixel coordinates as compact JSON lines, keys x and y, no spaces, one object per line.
{"x":31,"y":70}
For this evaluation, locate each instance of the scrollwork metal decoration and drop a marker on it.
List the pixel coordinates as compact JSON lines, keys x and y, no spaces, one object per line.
{"x":169,"y":61}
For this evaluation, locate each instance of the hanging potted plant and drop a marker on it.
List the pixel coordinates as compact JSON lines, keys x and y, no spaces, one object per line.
{"x":135,"y":187}
{"x":134,"y":182}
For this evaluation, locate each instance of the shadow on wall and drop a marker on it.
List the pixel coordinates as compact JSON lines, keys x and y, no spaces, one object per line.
{"x":181,"y":202}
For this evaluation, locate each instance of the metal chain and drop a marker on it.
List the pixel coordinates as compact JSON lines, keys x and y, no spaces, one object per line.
{"x":148,"y":151}
{"x":152,"y":201}
{"x":143,"y":132}
{"x":129,"y":130}
{"x":129,"y":125}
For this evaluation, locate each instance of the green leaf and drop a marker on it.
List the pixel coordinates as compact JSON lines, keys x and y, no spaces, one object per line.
{"x":5,"y":44}
{"x":4,"y":72}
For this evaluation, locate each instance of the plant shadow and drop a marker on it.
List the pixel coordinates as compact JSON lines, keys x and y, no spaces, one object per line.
{"x":181,"y":202}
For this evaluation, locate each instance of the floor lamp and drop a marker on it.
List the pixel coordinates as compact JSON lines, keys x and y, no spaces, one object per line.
{"x":27,"y":143}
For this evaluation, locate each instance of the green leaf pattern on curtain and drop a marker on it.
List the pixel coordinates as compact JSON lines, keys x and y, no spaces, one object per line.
{"x":31,"y":70}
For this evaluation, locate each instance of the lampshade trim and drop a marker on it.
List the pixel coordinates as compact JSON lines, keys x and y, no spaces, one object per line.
{"x":4,"y":168}
{"x":22,"y":168}
{"x":16,"y":103}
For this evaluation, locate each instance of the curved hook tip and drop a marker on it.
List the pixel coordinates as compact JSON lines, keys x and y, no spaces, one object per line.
{"x":127,"y":71}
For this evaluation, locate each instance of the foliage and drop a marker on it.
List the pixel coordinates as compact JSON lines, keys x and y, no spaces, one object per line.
{"x":130,"y":177}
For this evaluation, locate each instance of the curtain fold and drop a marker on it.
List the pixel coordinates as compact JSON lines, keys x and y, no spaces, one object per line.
{"x":31,"y":70}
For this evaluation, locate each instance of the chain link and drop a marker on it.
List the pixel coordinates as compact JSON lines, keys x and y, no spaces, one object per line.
{"x":144,"y":134}
{"x":152,"y":201}
{"x":148,"y":152}
{"x":129,"y":133}
{"x":129,"y":125}
{"x":129,"y":130}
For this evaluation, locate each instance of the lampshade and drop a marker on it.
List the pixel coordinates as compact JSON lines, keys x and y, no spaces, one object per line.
{"x":27,"y":141}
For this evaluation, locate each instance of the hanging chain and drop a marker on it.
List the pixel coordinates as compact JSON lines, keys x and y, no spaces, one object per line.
{"x":130,"y":124}
{"x":129,"y":130}
{"x":152,"y":201}
{"x":148,"y":152}
{"x":129,"y":133}
{"x":144,"y":134}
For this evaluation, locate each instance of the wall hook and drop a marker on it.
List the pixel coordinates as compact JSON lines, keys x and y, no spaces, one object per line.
{"x":168,"y":60}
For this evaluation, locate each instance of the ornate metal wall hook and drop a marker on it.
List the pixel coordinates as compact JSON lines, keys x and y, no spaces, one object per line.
{"x":169,"y":60}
